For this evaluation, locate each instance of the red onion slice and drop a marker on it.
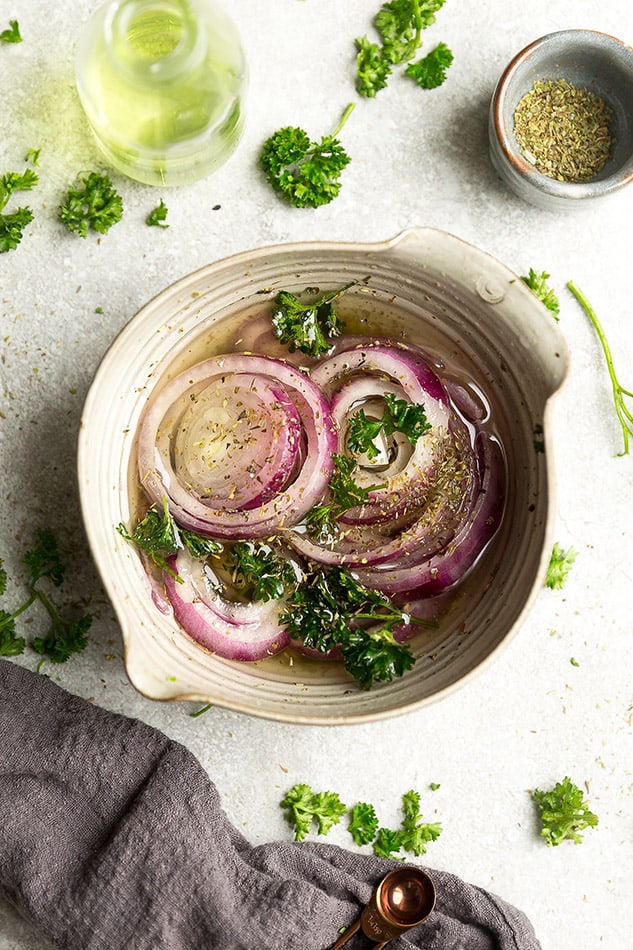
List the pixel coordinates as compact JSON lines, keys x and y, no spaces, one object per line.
{"x":304,"y":471}
{"x":418,"y":578}
{"x":232,"y":630}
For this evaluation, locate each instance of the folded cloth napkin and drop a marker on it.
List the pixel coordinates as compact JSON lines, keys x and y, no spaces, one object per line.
{"x":113,"y":836}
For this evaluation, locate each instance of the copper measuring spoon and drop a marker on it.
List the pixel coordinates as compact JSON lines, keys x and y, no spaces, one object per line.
{"x":403,"y":899}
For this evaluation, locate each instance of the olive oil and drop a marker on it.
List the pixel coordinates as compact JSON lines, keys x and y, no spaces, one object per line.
{"x":162,"y":83}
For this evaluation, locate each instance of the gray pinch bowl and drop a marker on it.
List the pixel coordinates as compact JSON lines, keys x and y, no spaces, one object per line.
{"x":479,"y":314}
{"x":587,"y":59}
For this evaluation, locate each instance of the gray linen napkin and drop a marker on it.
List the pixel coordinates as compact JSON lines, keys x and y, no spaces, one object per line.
{"x":112,"y":836}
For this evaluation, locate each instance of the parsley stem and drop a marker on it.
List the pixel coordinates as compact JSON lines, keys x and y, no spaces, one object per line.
{"x":348,"y":111}
{"x":5,"y":621}
{"x":625,"y":417}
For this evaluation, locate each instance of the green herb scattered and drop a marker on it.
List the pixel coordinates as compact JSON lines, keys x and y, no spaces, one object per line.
{"x":538,"y":285}
{"x":303,"y":172}
{"x":308,"y":327}
{"x":387,"y":843}
{"x":372,"y":67}
{"x":65,"y":637}
{"x":574,"y":661}
{"x":415,"y":833}
{"x":430,"y":71}
{"x":363,"y":823}
{"x":260,"y":569}
{"x":563,"y":813}
{"x":400,"y":24}
{"x":33,"y":156}
{"x":12,"y":34}
{"x":158,"y":216}
{"x":326,"y":610}
{"x":559,"y":566}
{"x":12,"y":224}
{"x":201,"y":711}
{"x":434,"y":786}
{"x":344,"y":493}
{"x":303,"y":806}
{"x":91,"y":203}
{"x":398,"y":416}
{"x":158,"y":535}
{"x":625,"y":417}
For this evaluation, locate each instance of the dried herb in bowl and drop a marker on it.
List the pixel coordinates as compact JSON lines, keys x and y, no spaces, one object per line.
{"x":564,"y":130}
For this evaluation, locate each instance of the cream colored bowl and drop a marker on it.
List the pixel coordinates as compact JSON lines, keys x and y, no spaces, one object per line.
{"x":465,"y":305}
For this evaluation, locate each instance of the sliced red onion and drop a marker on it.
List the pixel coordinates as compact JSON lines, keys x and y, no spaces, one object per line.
{"x":298,"y":474}
{"x":233,"y":630}
{"x":418,"y":578}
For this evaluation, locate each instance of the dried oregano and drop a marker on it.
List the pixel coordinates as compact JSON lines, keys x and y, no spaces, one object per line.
{"x":564,"y":130}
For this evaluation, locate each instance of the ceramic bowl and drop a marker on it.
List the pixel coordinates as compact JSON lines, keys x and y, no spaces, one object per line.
{"x":590,"y":60}
{"x":462,"y":303}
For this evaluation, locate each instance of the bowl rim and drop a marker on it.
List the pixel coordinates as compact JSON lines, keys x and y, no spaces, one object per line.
{"x":300,"y":713}
{"x":520,"y":166}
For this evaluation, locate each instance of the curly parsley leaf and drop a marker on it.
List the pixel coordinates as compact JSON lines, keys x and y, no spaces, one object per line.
{"x":305,"y":173}
{"x":158,"y":216}
{"x":430,"y":71}
{"x":260,"y":569}
{"x":560,"y":564}
{"x":12,"y":34}
{"x":308,"y":327}
{"x":92,"y":202}
{"x":372,"y":68}
{"x":398,"y":416}
{"x":303,"y":806}
{"x":344,"y":493}
{"x":624,"y":414}
{"x":12,"y":224}
{"x":158,"y":535}
{"x":64,"y":638}
{"x":44,"y":559}
{"x":329,"y":609}
{"x":12,"y":228}
{"x":538,"y":285}
{"x":415,"y":833}
{"x":386,"y":843}
{"x":363,"y":823}
{"x":563,"y":812}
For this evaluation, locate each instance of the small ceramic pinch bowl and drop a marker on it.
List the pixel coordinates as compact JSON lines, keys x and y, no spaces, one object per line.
{"x":589,"y":60}
{"x":480,"y":322}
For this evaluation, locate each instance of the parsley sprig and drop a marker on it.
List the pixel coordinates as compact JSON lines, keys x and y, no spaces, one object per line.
{"x":308,"y":327}
{"x":538,"y":284}
{"x":258,"y":568}
{"x":624,"y":414}
{"x":92,"y":202}
{"x":157,"y":218}
{"x":559,"y":566}
{"x":399,"y":24}
{"x":326,"y":610}
{"x":303,"y":806}
{"x":398,"y":416}
{"x":12,"y":224}
{"x":344,"y":493}
{"x":564,"y":813}
{"x":65,"y":637}
{"x":158,"y":535}
{"x":305,"y":173}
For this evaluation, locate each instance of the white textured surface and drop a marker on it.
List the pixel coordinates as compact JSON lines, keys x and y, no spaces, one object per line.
{"x":418,"y":159}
